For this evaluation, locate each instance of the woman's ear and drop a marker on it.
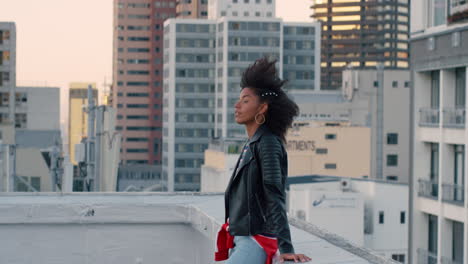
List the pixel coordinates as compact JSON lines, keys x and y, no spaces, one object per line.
{"x":263,"y":108}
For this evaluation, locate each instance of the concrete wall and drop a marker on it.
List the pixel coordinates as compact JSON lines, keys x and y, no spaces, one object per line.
{"x":337,"y":212}
{"x":350,"y":151}
{"x":97,"y":243}
{"x":42,"y":107}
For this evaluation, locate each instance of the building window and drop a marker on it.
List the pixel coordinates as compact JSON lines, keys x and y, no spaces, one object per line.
{"x":392,"y":160}
{"x":402,"y":217}
{"x":435,"y":85}
{"x":137,"y":117}
{"x":395,"y":84}
{"x":321,"y":151}
{"x":433,"y":236}
{"x":330,"y":165}
{"x":21,"y":186}
{"x":407,"y":84}
{"x":437,"y":12}
{"x":460,"y":87}
{"x":137,"y":139}
{"x":143,"y":150}
{"x":392,"y":178}
{"x":392,"y":138}
{"x":376,"y":84}
{"x":381,"y":217}
{"x":399,"y":257}
{"x":330,"y":136}
{"x":137,"y":105}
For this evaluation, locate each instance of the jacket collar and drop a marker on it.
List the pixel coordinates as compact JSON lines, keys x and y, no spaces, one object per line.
{"x":248,"y":155}
{"x":258,"y":133}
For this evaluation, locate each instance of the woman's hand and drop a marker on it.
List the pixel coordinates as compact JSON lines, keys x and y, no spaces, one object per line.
{"x":295,"y":257}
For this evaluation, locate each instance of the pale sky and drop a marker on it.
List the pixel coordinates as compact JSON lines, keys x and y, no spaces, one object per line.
{"x":63,"y":41}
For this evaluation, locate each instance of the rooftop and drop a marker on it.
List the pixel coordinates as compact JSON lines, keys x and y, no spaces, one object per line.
{"x":124,"y":228}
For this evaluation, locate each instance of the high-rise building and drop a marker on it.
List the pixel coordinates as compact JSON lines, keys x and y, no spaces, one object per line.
{"x":192,"y":8}
{"x":361,"y":34}
{"x":77,"y":117}
{"x":439,"y":62}
{"x":203,"y":63}
{"x":137,"y":77}
{"x":7,"y":72}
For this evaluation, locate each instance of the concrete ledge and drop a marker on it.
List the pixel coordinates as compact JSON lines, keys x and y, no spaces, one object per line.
{"x":203,"y":212}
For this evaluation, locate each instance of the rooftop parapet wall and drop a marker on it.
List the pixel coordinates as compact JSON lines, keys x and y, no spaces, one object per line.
{"x":115,"y":223}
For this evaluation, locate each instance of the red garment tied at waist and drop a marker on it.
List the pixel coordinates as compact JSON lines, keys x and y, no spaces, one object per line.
{"x":225,"y":241}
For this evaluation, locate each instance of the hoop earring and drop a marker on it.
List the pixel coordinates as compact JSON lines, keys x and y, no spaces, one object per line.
{"x":264,"y":119}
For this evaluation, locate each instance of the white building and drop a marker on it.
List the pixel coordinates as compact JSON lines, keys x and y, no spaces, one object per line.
{"x":362,"y":102}
{"x":439,"y":59}
{"x":203,"y":63}
{"x":356,"y":209}
{"x":219,"y":164}
{"x":37,"y":108}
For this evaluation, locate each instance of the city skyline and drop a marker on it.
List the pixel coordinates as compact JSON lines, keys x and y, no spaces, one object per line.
{"x":54,"y":42}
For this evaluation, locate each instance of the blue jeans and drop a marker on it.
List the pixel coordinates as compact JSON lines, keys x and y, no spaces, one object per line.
{"x":246,"y":251}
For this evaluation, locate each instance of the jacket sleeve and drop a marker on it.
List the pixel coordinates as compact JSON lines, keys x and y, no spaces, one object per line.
{"x":270,"y":154}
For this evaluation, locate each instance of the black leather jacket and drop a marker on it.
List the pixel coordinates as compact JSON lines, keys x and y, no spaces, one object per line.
{"x":255,"y":199}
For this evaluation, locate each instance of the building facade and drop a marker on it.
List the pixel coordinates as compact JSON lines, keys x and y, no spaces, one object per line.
{"x":356,"y":209}
{"x":7,"y":72}
{"x":137,"y":77}
{"x":361,"y":34}
{"x":203,"y":63}
{"x":326,"y":148}
{"x":362,"y":102}
{"x":192,"y":8}
{"x":30,"y":149}
{"x":439,"y":61}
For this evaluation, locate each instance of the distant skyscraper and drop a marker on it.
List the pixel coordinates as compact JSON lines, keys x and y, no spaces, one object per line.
{"x":192,"y":8}
{"x":137,"y":77}
{"x":77,"y":117}
{"x":361,"y":33}
{"x":7,"y":72}
{"x":204,"y":61}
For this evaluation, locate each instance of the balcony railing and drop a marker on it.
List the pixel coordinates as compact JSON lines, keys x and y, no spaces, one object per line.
{"x":453,"y":194}
{"x":426,"y":257}
{"x":428,"y":189}
{"x":429,"y":117}
{"x":445,"y":260}
{"x":454,"y":117}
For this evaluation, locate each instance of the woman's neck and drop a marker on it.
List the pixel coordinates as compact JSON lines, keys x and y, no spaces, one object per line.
{"x":251,"y":129}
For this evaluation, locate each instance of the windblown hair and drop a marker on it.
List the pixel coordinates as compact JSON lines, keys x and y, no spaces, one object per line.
{"x":262,"y":77}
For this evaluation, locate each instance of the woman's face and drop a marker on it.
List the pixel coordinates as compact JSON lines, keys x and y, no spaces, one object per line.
{"x":248,"y":106}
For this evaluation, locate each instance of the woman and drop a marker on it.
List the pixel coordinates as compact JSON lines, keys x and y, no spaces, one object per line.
{"x":256,"y":224}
